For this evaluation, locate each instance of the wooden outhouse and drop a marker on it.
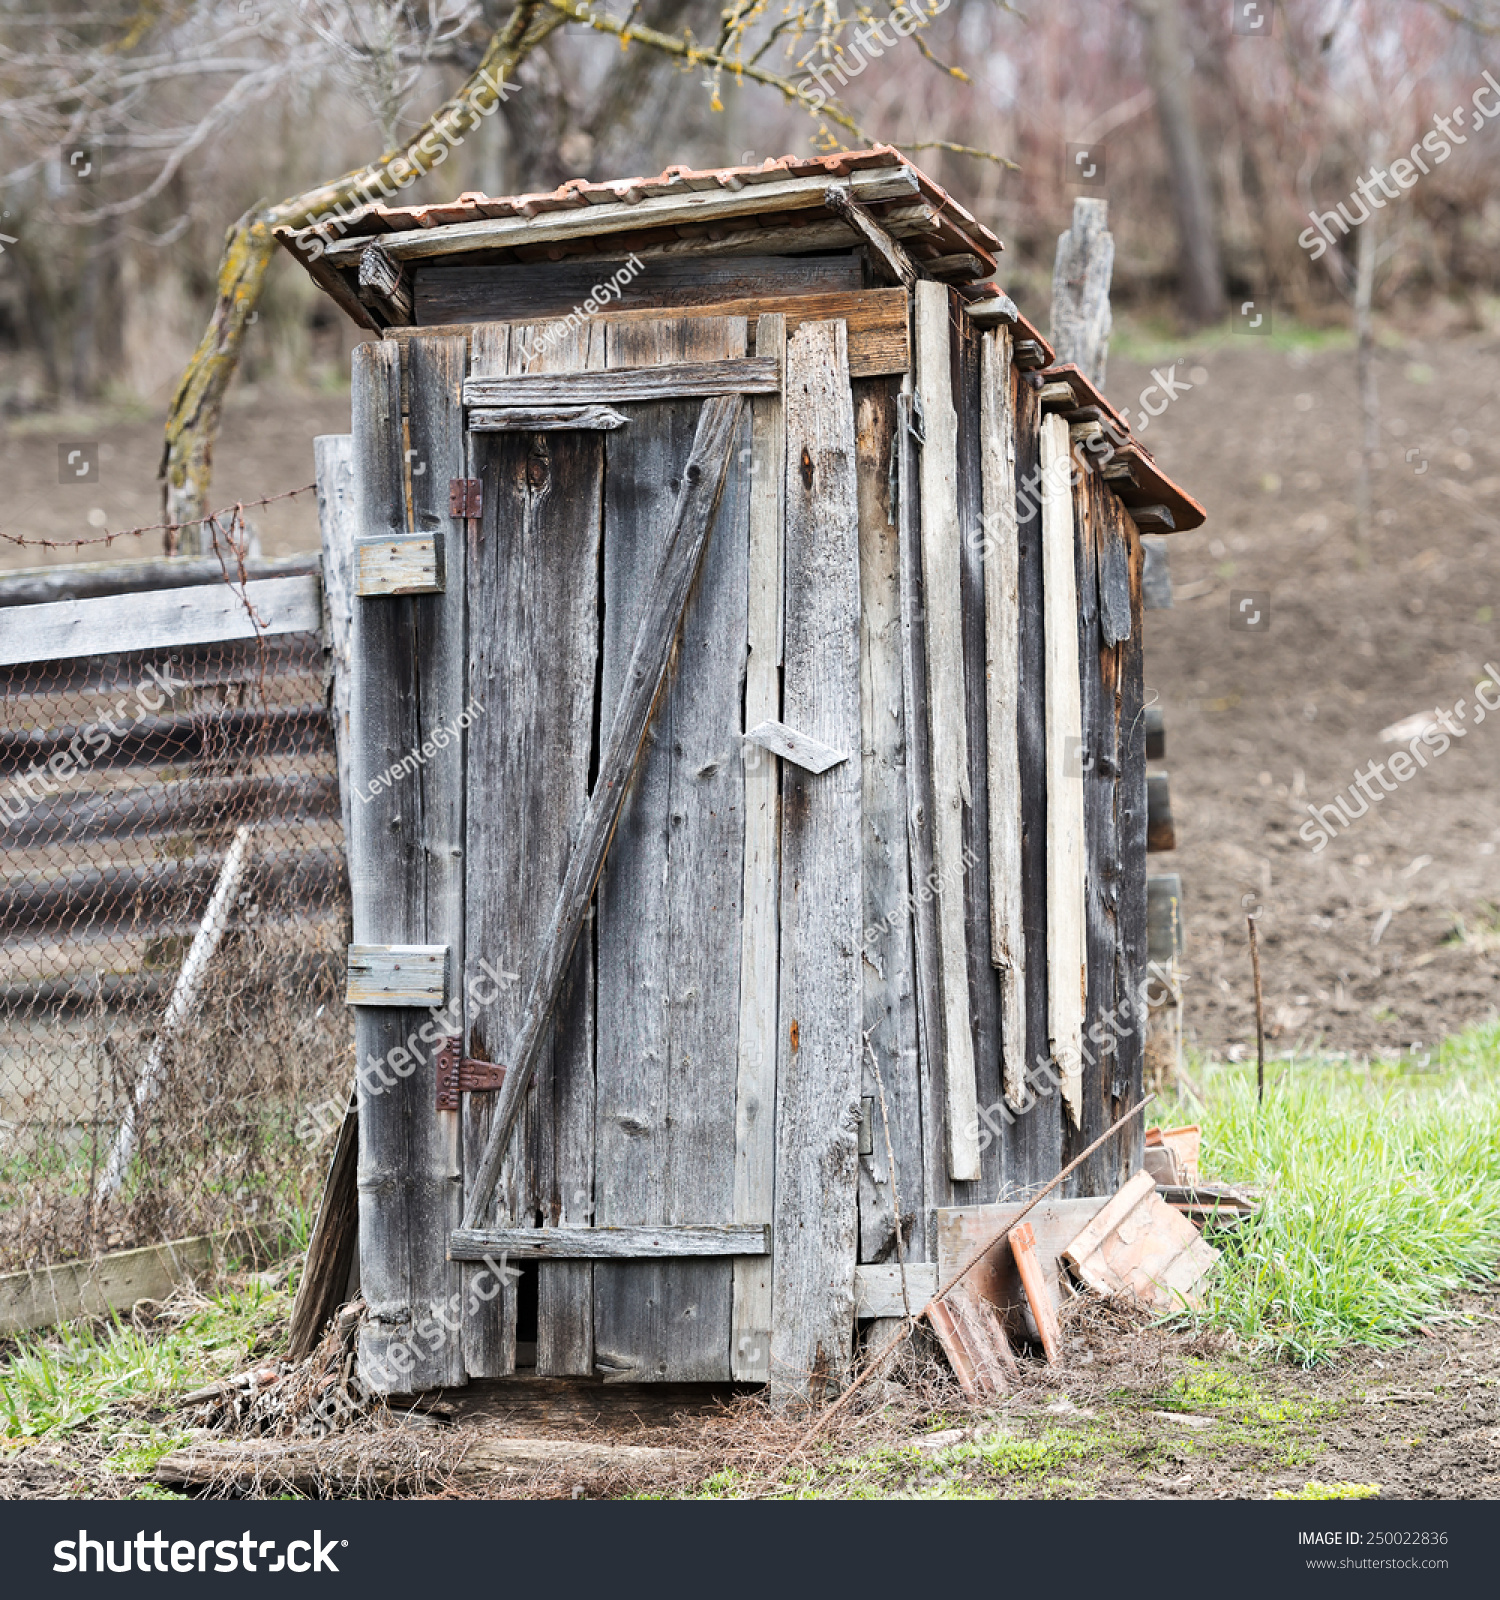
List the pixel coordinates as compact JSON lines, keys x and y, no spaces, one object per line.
{"x":748,"y":828}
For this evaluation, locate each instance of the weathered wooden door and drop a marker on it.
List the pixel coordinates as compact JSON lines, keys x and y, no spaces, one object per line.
{"x":638,"y":1183}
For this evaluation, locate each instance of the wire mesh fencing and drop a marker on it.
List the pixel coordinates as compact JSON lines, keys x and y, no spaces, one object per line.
{"x":174,"y":1048}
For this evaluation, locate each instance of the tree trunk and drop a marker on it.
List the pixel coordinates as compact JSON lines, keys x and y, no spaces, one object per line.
{"x":1169,"y":68}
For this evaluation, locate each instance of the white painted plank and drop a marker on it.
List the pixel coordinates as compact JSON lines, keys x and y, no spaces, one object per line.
{"x":1066,"y":949}
{"x":158,"y":620}
{"x":755,"y":1088}
{"x":1002,"y":648}
{"x":942,"y":607}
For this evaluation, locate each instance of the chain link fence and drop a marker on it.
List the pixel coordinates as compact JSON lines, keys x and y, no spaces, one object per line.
{"x":174,"y":1046}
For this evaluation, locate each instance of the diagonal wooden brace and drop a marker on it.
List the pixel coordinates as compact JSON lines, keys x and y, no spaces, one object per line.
{"x":703,"y":483}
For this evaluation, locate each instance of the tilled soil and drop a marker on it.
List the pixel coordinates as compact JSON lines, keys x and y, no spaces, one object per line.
{"x":1386,"y":937}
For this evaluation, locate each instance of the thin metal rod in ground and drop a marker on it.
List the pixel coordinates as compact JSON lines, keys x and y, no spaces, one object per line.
{"x":874,"y":1362}
{"x":1260,"y":1016}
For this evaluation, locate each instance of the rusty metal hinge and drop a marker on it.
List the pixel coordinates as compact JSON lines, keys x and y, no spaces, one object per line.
{"x":458,"y":1075}
{"x":465,"y":497}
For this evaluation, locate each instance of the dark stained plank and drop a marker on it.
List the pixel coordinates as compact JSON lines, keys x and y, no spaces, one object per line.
{"x":818,"y":1070}
{"x":1037,"y":1134}
{"x":887,"y":960}
{"x":470,"y":292}
{"x":984,"y":979}
{"x":937,"y":1183}
{"x":670,"y":898}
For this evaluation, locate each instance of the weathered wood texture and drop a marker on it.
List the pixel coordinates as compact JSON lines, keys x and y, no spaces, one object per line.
{"x":469,"y":291}
{"x":406,"y":871}
{"x":1114,"y":821}
{"x":1036,"y":1135}
{"x":324,"y":1283}
{"x":878,"y":1290}
{"x":163,"y":619}
{"x":669,"y":980}
{"x":818,"y":1071}
{"x":334,"y":455}
{"x":937,"y":1181}
{"x":1002,"y":622}
{"x":407,"y":564}
{"x":618,"y":1243}
{"x":879,"y":330}
{"x":1066,"y":843}
{"x":943,"y":622}
{"x":887,"y":964}
{"x":88,"y":580}
{"x":755,"y":1088}
{"x":397,"y":975}
{"x":655,"y":211}
{"x":985,"y":1019}
{"x":545,"y":419}
{"x":533,"y":649}
{"x":795,"y":746}
{"x":669,"y":380}
{"x":1081,"y":273}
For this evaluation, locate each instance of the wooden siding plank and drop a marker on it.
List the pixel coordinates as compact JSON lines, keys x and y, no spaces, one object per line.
{"x":1036,"y":1136}
{"x":1066,"y":843}
{"x":613,"y":1243}
{"x":1002,"y":611}
{"x":545,"y":419}
{"x":755,"y":1088}
{"x":942,"y":613}
{"x":402,"y":893}
{"x":410,"y":564}
{"x":799,"y":748}
{"x":669,"y":901}
{"x":928,"y":982}
{"x":983,"y":978}
{"x":878,"y":1289}
{"x":535,"y":600}
{"x":161,"y":619}
{"x":887,"y":964}
{"x":676,"y":380}
{"x":819,"y":1044}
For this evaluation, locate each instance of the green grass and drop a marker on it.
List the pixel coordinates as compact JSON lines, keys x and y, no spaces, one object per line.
{"x":1382,"y":1193}
{"x":107,"y":1375}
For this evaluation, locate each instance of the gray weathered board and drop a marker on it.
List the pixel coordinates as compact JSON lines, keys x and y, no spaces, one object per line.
{"x":604,"y":1243}
{"x":397,"y":975}
{"x":161,"y":619}
{"x":819,"y":1062}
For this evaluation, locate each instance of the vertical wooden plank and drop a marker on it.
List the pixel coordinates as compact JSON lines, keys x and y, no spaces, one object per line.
{"x":533,"y":665}
{"x":887,"y":960}
{"x":818,"y":1070}
{"x":755,"y":1090}
{"x":1066,"y":953}
{"x":937,"y":1182}
{"x":669,"y":902}
{"x":1130,"y":982}
{"x":941,"y":537}
{"x":334,"y":456}
{"x":1002,"y":602}
{"x":407,"y":889}
{"x":983,"y":979}
{"x":1036,"y":1137}
{"x":1098,"y":664}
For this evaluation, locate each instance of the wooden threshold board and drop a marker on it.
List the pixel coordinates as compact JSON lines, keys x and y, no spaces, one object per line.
{"x":879,"y":335}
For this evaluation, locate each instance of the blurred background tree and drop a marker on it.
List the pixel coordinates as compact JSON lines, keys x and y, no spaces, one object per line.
{"x":133,"y":134}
